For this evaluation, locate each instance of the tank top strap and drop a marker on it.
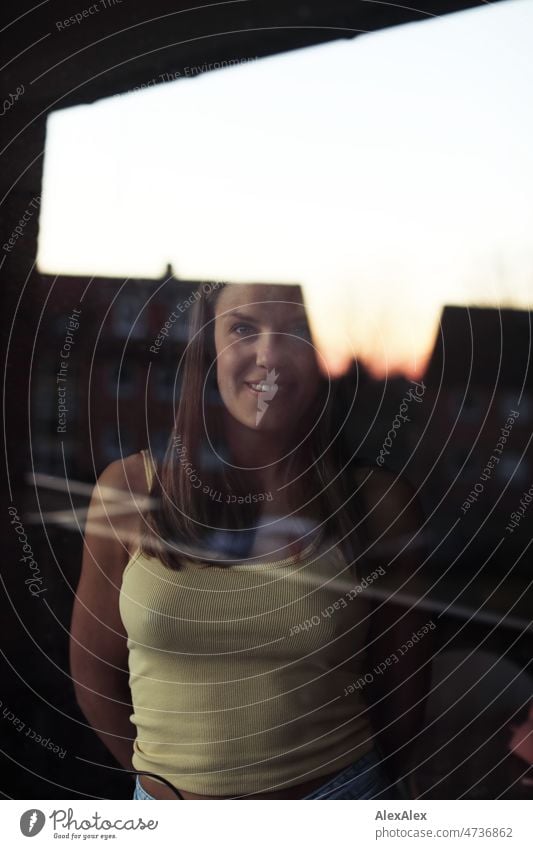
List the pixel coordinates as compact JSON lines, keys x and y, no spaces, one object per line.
{"x":149,"y":467}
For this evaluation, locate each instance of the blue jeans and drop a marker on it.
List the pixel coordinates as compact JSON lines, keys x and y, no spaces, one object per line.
{"x":364,"y":779}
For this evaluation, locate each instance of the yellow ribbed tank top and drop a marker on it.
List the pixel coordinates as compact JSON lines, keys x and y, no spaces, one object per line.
{"x":240,"y":676}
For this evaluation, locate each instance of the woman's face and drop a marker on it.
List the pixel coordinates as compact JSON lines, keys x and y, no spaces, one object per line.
{"x":266,"y":366}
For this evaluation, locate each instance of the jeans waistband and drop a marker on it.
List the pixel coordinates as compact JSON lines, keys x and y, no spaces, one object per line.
{"x":362,"y":779}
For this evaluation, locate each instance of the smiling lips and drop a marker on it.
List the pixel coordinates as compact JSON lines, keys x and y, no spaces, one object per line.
{"x":262,"y":387}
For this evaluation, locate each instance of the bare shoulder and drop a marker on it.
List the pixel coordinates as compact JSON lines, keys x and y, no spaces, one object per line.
{"x":393,"y":528}
{"x":98,"y":638}
{"x":119,"y":501}
{"x":126,"y":474}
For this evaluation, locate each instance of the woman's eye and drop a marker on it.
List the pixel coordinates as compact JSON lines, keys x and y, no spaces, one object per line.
{"x":302,"y":330}
{"x":242,"y":329}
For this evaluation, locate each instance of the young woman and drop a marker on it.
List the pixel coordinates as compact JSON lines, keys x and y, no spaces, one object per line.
{"x":238,"y":601}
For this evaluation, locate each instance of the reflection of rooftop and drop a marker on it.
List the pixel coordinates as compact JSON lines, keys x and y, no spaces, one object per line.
{"x":482,"y":346}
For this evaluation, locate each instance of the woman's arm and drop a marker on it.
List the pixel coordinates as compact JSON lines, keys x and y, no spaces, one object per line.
{"x":401,"y":629}
{"x":98,"y":641}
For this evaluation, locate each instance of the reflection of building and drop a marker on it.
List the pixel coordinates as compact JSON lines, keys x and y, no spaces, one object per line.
{"x":478,"y":378}
{"x":124,"y":379}
{"x":119,"y":394}
{"x":121,"y":376}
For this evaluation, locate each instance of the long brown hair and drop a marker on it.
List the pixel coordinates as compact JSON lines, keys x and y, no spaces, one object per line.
{"x":192,"y":483}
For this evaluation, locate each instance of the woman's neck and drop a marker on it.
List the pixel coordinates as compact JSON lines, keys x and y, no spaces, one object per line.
{"x":273,"y":461}
{"x":251,"y":449}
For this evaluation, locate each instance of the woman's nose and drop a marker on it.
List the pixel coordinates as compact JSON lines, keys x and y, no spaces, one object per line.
{"x":268,"y":349}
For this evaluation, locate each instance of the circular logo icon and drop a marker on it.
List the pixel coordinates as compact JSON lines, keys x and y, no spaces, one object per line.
{"x":31,"y":822}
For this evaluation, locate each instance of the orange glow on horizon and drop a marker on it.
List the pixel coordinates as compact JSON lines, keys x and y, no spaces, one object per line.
{"x":335,"y":364}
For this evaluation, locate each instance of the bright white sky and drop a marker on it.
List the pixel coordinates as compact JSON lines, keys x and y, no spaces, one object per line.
{"x":389,"y":175}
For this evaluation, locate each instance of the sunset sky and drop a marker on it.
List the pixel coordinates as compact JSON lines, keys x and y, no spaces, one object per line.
{"x":389,"y":175}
